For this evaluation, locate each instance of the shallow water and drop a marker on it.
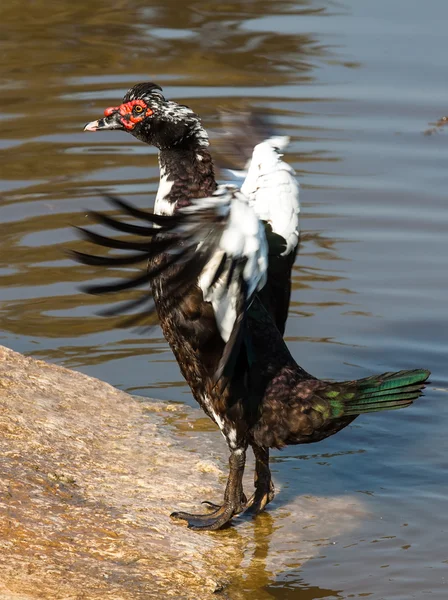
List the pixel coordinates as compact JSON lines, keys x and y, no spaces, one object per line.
{"x":355,"y":83}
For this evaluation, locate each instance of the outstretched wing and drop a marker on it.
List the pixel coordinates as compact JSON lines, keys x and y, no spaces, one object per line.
{"x":249,"y":152}
{"x":234,"y":142}
{"x":217,"y":243}
{"x":273,"y":192}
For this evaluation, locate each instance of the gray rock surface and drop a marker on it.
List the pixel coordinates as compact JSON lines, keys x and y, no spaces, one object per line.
{"x":89,"y":476}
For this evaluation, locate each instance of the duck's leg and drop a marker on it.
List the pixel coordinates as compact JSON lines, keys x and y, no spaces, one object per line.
{"x":233,"y":496}
{"x":264,"y":488}
{"x":213,"y":507}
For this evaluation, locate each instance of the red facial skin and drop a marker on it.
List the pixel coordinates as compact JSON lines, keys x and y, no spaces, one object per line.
{"x":128,"y":118}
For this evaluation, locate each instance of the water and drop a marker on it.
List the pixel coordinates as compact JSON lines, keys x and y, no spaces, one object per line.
{"x":355,"y":83}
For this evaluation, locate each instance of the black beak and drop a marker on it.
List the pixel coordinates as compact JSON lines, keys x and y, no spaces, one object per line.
{"x":110,"y":122}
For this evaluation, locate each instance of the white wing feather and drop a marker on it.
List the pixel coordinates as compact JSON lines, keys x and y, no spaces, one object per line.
{"x":273,"y":190}
{"x":270,"y":193}
{"x":243,"y":239}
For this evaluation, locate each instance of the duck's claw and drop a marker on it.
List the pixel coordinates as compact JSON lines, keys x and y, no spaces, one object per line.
{"x":241,"y":507}
{"x":234,"y":499}
{"x":219,"y":514}
{"x":210,"y":521}
{"x":264,"y":493}
{"x":211,"y":505}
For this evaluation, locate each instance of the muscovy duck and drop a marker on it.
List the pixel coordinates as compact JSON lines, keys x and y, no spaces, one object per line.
{"x":187,"y":172}
{"x":208,"y":264}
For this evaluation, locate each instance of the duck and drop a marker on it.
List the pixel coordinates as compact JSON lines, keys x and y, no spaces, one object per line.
{"x":216,"y":258}
{"x":187,"y":171}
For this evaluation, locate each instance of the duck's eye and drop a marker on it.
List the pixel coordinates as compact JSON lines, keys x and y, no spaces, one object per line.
{"x":138,"y":109}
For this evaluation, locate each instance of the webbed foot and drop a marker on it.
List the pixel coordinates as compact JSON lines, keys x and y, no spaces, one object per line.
{"x":263,"y":495}
{"x":234,"y":500}
{"x":211,"y":521}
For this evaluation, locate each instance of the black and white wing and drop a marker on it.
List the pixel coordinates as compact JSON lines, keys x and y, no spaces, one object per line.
{"x":217,"y":244}
{"x":238,"y":260}
{"x":252,"y":156}
{"x":273,"y":192}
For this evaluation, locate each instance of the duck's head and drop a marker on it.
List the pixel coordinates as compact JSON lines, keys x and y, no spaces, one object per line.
{"x":147,"y":115}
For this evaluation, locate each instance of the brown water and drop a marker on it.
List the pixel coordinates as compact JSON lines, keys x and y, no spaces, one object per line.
{"x":355,"y":83}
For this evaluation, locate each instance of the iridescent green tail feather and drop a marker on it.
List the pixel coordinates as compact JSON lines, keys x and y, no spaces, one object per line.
{"x":388,"y":391}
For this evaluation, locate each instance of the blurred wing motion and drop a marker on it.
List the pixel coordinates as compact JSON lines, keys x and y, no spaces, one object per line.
{"x":217,"y":243}
{"x":247,"y":143}
{"x":229,"y":245}
{"x":238,"y":134}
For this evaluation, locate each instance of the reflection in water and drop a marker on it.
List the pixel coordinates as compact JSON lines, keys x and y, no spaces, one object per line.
{"x":263,"y":575}
{"x":292,"y":588}
{"x":76,"y":356}
{"x":255,"y":576}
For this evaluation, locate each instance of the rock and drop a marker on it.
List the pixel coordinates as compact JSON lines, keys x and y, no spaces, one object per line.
{"x":89,"y":476}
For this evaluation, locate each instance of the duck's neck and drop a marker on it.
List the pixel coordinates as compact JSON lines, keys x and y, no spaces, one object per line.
{"x":185,"y":174}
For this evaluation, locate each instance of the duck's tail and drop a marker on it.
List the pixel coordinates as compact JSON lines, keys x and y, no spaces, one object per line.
{"x":388,"y":391}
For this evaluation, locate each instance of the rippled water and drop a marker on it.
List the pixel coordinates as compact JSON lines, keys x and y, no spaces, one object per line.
{"x":355,"y":83}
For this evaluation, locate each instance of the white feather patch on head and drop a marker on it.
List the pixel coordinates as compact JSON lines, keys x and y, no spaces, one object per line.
{"x":178,"y":113}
